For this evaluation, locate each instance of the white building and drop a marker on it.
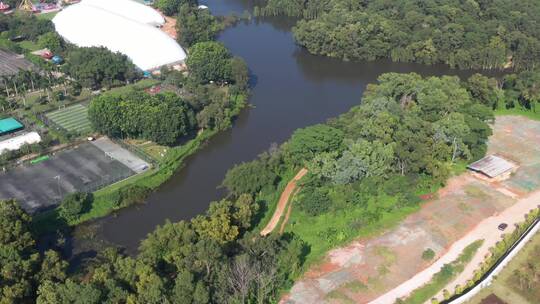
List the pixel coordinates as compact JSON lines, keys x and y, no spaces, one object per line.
{"x":121,"y":26}
{"x":15,"y":143}
{"x":129,"y":9}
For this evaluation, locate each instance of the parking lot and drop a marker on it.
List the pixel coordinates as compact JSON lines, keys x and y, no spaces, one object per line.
{"x":84,"y":168}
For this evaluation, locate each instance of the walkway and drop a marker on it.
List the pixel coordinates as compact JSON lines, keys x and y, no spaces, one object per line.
{"x":282,"y":204}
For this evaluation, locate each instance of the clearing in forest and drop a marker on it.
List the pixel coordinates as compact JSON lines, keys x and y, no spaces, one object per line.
{"x":367,"y":268}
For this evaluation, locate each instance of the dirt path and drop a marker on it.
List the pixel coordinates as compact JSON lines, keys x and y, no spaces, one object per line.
{"x":486,"y":230}
{"x":282,"y":203}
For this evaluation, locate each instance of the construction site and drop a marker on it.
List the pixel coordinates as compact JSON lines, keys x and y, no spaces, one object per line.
{"x":367,"y":269}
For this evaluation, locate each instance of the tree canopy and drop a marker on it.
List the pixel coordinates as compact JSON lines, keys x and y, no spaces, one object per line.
{"x":96,"y":67}
{"x":464,"y":34}
{"x":210,"y":61}
{"x":162,"y":118}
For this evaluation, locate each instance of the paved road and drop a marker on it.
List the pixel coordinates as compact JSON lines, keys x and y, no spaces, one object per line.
{"x":486,"y":230}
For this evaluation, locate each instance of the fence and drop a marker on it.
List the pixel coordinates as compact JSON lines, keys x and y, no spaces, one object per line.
{"x":499,"y":266}
{"x":137,"y":151}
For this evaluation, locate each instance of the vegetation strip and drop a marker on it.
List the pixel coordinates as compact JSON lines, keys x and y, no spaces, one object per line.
{"x":442,"y":278}
{"x":485,"y":273}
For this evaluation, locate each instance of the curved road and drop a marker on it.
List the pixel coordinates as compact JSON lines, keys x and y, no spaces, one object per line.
{"x":486,"y":230}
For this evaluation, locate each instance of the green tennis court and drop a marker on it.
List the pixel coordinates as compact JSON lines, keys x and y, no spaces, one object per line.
{"x":72,"y":119}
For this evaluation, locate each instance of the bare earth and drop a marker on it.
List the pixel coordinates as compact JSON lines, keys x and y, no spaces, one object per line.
{"x":282,"y":203}
{"x":468,"y":208}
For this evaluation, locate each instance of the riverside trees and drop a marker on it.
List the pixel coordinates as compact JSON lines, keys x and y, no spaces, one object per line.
{"x":467,"y":34}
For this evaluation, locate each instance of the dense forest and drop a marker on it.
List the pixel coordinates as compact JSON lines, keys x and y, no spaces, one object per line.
{"x":463,"y":34}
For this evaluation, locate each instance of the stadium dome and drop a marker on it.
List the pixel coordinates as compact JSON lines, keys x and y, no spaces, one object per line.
{"x":129,"y":9}
{"x":87,"y":26}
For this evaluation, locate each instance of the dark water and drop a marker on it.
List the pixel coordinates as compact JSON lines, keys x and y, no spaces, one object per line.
{"x":291,"y":89}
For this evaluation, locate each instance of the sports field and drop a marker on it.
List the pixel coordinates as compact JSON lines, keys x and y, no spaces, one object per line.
{"x":87,"y":167}
{"x":72,"y":119}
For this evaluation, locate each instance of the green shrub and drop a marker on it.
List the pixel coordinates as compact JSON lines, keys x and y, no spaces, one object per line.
{"x":428,"y":254}
{"x":131,"y":194}
{"x":314,"y":201}
{"x":74,"y":205}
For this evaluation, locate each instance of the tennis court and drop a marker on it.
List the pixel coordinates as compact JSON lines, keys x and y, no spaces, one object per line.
{"x":42,"y":183}
{"x":72,"y":119}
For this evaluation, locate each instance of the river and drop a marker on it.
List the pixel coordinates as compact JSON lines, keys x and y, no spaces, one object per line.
{"x":290,"y":89}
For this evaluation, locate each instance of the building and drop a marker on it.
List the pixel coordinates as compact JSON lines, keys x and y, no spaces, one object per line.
{"x":15,"y":143}
{"x":11,"y":63}
{"x":9,"y":125}
{"x":131,"y":10}
{"x":128,"y":28}
{"x":493,"y":167}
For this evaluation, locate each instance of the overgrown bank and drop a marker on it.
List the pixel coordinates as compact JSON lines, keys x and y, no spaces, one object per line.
{"x":465,"y":34}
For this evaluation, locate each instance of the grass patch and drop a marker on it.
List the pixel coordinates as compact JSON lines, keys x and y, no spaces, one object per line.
{"x":332,"y":229}
{"x":29,"y":45}
{"x":356,"y":286}
{"x":443,"y":277}
{"x":518,"y":111}
{"x":338,"y":295}
{"x":47,"y":16}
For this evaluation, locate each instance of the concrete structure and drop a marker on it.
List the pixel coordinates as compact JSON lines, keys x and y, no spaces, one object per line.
{"x":493,"y":166}
{"x":127,"y":29}
{"x":17,"y":142}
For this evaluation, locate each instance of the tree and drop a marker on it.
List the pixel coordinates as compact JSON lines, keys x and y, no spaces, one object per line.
{"x":97,"y":67}
{"x":240,"y":73}
{"x":209,"y":61}
{"x":51,"y":41}
{"x":314,"y":201}
{"x":306,"y":143}
{"x":195,"y":25}
{"x":483,"y":89}
{"x":428,"y":254}
{"x":162,"y":118}
{"x":73,"y":205}
{"x":452,"y":130}
{"x":23,"y":268}
{"x":171,"y":7}
{"x":249,"y":178}
{"x":68,"y":292}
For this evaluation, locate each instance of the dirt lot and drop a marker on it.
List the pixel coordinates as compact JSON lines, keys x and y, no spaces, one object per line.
{"x":365,"y":269}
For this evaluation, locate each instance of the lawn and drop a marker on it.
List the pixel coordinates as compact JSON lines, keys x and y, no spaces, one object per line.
{"x":535,"y":115}
{"x":153,"y":150}
{"x":47,"y":16}
{"x":72,"y":119}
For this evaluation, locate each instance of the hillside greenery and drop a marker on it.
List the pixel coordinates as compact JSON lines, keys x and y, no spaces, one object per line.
{"x":463,"y":34}
{"x":364,"y":176}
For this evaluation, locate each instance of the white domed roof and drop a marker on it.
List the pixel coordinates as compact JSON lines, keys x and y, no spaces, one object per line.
{"x":87,"y":26}
{"x":129,"y":9}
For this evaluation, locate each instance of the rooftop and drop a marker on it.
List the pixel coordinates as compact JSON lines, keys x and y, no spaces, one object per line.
{"x":9,"y":125}
{"x":492,"y":166}
{"x":11,"y":63}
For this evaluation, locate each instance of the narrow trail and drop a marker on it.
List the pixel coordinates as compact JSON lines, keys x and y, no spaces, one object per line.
{"x":282,"y":203}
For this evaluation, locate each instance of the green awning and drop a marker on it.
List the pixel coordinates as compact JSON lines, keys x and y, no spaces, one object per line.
{"x":9,"y":125}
